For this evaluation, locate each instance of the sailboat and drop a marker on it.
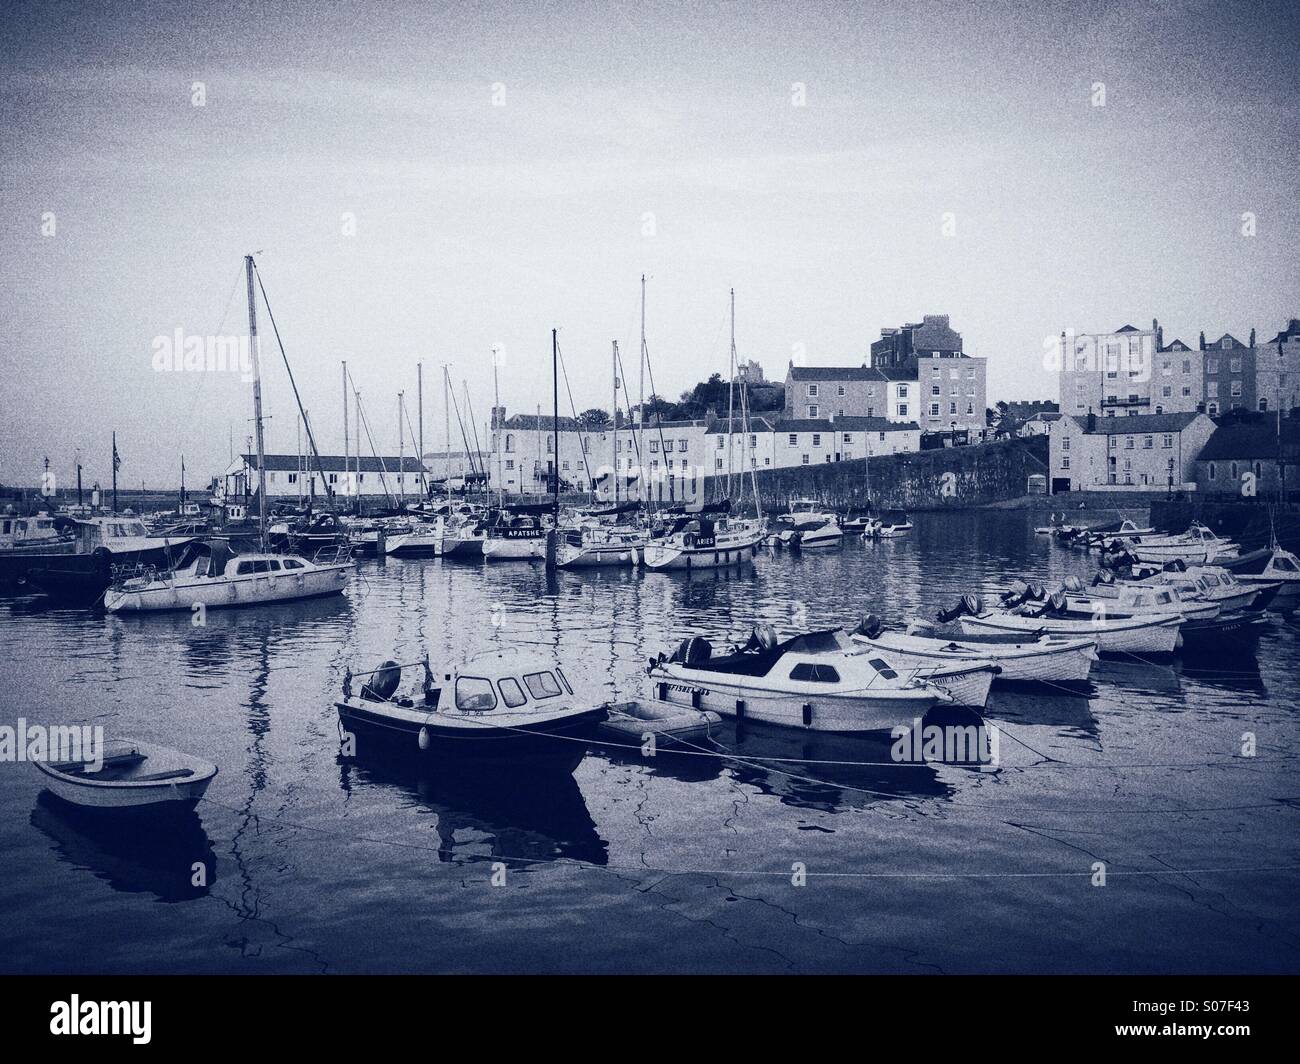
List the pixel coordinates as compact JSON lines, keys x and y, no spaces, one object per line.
{"x":212,"y":575}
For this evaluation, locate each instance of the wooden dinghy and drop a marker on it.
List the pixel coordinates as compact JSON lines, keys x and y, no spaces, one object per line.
{"x":132,"y":776}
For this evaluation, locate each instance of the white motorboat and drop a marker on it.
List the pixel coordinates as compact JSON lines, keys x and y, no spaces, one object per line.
{"x":1211,"y":585}
{"x":700,"y":543}
{"x":1152,"y":633}
{"x":1197,"y":546}
{"x":1135,"y":600}
{"x":633,"y":723}
{"x":819,"y":537}
{"x":889,"y":526}
{"x":420,"y":540}
{"x":212,"y":576}
{"x":1046,"y":659}
{"x":805,"y":513}
{"x":103,"y":544}
{"x":505,"y":706}
{"x":817,"y":681}
{"x":131,"y":775}
{"x":1281,"y":568}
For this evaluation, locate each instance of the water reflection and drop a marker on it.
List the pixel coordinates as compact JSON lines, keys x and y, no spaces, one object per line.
{"x":171,"y":858}
{"x":521,"y":818}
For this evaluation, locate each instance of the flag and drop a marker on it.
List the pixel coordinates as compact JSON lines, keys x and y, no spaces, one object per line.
{"x":117,"y":458}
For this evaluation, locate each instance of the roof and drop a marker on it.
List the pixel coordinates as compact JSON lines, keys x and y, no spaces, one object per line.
{"x":1258,"y":439}
{"x":1127,"y":328}
{"x":859,"y":423}
{"x":292,"y":463}
{"x":804,"y":424}
{"x":1125,"y":426}
{"x":545,"y":422}
{"x":832,"y":373}
{"x":756,"y":424}
{"x":1047,"y":415}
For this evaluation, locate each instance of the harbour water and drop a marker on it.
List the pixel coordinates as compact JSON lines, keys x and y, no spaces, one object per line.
{"x":318,"y":864}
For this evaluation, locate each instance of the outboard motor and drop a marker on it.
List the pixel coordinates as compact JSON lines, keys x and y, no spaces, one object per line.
{"x":383,"y":682}
{"x":1103,"y":578}
{"x":1037,"y":592}
{"x":1176,"y":566}
{"x":1057,"y":603}
{"x":1072,"y":583}
{"x":692,"y":651}
{"x":1015,"y":594}
{"x":870,"y":626}
{"x":764,"y":636}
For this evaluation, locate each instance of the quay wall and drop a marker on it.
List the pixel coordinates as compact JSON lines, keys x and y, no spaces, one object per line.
{"x":939,"y":479}
{"x":1248,"y":521}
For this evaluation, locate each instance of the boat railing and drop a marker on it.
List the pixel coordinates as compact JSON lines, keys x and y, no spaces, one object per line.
{"x":335,"y":554}
{"x":120,"y":574}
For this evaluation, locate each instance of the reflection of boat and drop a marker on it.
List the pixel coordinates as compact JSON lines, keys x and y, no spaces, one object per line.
{"x":503,"y":705}
{"x":132,"y":777}
{"x":1045,"y":706}
{"x":210,"y":575}
{"x":825,"y":770}
{"x":519,"y":818}
{"x":176,"y":865}
{"x":815,"y":681}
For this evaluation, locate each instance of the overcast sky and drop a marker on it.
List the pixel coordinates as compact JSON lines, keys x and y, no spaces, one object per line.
{"x":478,"y":224}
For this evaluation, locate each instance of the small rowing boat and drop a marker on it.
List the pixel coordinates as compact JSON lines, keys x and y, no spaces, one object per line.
{"x":131,"y":775}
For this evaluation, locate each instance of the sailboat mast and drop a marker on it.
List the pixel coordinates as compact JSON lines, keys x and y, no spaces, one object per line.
{"x":731,"y":391}
{"x":639,"y":429}
{"x":401,"y":454}
{"x":496,"y":406}
{"x":346,"y":448}
{"x":446,"y":409}
{"x":614,"y":445}
{"x":555,"y":421}
{"x":419,"y":398}
{"x":257,"y":403}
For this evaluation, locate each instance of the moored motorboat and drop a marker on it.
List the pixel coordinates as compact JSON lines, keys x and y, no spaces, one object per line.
{"x":516,"y":535}
{"x":102,"y":543}
{"x":130,"y":775}
{"x":213,"y":577}
{"x":641,"y":721}
{"x":820,"y":537}
{"x":1151,"y":633}
{"x":702,"y":543}
{"x":504,"y":706}
{"x":817,"y":681}
{"x":1046,"y":659}
{"x":1280,"y":567}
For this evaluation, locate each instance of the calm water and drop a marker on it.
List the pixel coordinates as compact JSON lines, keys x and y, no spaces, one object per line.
{"x":320,"y":865}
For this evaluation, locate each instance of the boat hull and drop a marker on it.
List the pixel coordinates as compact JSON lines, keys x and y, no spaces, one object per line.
{"x":594,"y":556}
{"x":720,"y":556}
{"x":227,"y":593}
{"x":1063,"y":661}
{"x":532,"y":548}
{"x":449,"y":740}
{"x":1156,"y":634}
{"x":806,"y":710}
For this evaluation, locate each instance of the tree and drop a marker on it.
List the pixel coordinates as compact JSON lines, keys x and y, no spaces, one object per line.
{"x":594,"y":419}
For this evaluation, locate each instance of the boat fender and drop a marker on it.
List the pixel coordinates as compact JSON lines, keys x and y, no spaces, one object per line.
{"x":425,"y":740}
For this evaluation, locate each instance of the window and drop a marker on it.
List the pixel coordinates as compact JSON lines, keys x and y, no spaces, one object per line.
{"x":1148,"y":442}
{"x":1236,"y":388}
{"x":881,"y":666}
{"x":902,"y":391}
{"x":1128,"y":443}
{"x":1187,"y":365}
{"x":564,"y":680}
{"x":475,"y":694}
{"x":753,"y":440}
{"x":1065,"y":461}
{"x":794,"y":439}
{"x":292,"y":563}
{"x":810,"y":673}
{"x":1211,"y":365}
{"x":719,"y":443}
{"x":1212,"y":409}
{"x":817,"y":439}
{"x":848,"y":438}
{"x":934,"y":389}
{"x":717,"y":463}
{"x":1212,"y":389}
{"x":1166,"y":392}
{"x":902,"y":410}
{"x":839,"y":390}
{"x":812,"y":391}
{"x":542,"y":685}
{"x":1167,"y":441}
{"x":510,"y":463}
{"x":510,"y":442}
{"x":952,"y":408}
{"x":1234,"y":365}
{"x":1263,"y":404}
{"x":654,"y":446}
{"x":511,"y":693}
{"x":1211,"y":471}
{"x":814,"y":411}
{"x":683,"y":445}
{"x":1187,"y":390}
{"x":805,"y":460}
{"x":1065,"y":443}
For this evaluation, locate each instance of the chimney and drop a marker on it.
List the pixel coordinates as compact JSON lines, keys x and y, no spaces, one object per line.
{"x":1092,"y":420}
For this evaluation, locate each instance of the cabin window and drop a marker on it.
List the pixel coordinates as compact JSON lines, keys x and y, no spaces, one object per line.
{"x":564,"y":680}
{"x":1284,"y":565}
{"x":511,"y":693}
{"x":542,"y":685}
{"x":273,"y":566}
{"x":882,"y":666}
{"x":292,"y":563}
{"x":810,"y":673}
{"x":475,"y":693}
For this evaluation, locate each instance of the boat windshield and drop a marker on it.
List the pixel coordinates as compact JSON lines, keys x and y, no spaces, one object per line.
{"x":1284,"y":565}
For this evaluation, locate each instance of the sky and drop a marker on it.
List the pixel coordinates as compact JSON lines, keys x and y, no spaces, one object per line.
{"x":431,"y":182}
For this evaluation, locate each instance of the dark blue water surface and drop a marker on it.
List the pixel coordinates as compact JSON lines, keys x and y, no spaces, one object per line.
{"x":322,"y":865}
